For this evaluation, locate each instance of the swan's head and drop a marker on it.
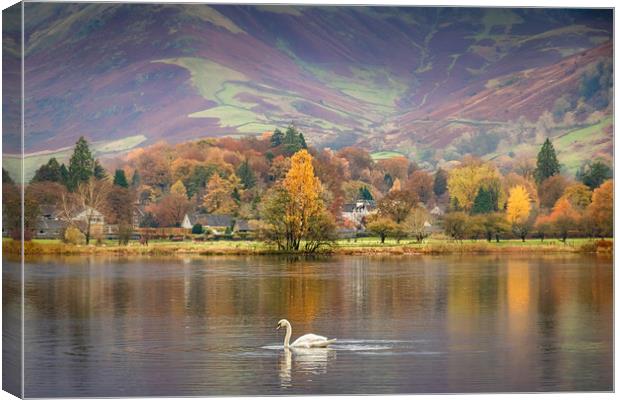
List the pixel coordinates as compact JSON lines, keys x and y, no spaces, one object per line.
{"x":281,"y":324}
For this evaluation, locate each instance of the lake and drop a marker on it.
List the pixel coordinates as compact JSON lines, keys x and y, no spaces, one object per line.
{"x":112,"y":326}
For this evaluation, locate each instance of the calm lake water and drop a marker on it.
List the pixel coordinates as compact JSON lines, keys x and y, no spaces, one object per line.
{"x":206,"y":326}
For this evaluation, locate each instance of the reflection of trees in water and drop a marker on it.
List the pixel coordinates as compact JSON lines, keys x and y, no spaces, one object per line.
{"x":303,"y":361}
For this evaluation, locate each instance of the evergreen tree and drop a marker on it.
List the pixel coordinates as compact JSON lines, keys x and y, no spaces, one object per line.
{"x":440,"y":183}
{"x":293,"y":140}
{"x":389,"y":181}
{"x":594,"y":174}
{"x":547,"y":163}
{"x":48,"y":172}
{"x":245,"y":174}
{"x":302,"y":141}
{"x":120,"y":179}
{"x":135,"y":179}
{"x":98,"y":171}
{"x":276,"y":138}
{"x":64,"y":175}
{"x":364,"y":194}
{"x":485,"y":202}
{"x":81,"y":164}
{"x":6,"y":178}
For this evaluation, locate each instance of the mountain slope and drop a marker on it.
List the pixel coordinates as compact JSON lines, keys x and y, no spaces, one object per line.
{"x":386,"y":78}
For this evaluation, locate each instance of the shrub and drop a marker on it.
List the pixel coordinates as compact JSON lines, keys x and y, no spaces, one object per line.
{"x":197,"y":229}
{"x":74,"y":236}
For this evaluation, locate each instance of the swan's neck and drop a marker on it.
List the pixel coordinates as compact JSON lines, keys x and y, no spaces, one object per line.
{"x":287,"y":337}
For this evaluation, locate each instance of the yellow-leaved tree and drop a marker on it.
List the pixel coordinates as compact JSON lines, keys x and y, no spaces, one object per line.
{"x":465,"y":181}
{"x":304,"y":190}
{"x":518,"y":210}
{"x":294,"y":211}
{"x":178,"y":189}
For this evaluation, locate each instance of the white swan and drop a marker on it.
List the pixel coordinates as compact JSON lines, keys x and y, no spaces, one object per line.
{"x":306,"y":341}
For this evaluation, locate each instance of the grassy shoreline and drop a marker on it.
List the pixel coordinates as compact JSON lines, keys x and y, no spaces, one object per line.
{"x":365,"y":246}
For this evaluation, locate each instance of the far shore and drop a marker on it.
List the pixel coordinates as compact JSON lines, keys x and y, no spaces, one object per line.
{"x":362,"y":246}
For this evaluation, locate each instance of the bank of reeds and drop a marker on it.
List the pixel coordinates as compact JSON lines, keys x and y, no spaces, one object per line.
{"x":50,"y":247}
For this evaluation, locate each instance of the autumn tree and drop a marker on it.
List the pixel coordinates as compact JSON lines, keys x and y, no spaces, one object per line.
{"x":601,"y":209}
{"x":465,"y":181}
{"x":304,"y":190}
{"x":542,"y":226}
{"x":89,"y":199}
{"x":178,"y":189}
{"x":381,"y":226}
{"x":359,"y":160}
{"x":120,"y":203}
{"x":421,"y":183}
{"x":455,"y":225}
{"x":46,"y":192}
{"x":219,"y":198}
{"x":551,"y":189}
{"x":294,"y":207}
{"x":169,"y":210}
{"x":12,"y":211}
{"x":397,"y":205}
{"x":415,"y":223}
{"x":495,"y":226}
{"x":246,"y":175}
{"x":395,"y":167}
{"x":563,"y":218}
{"x":579,"y":196}
{"x":518,"y":211}
{"x":547,"y":164}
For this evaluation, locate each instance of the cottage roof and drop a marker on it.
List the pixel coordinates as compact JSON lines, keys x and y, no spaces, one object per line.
{"x":211,"y":220}
{"x":243,"y":225}
{"x":49,"y":224}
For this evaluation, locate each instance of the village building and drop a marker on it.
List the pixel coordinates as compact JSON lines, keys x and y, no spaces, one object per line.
{"x":217,"y":224}
{"x":354,"y":213}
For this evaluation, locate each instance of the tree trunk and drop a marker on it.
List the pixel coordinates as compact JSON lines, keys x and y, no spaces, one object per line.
{"x":382,"y":239}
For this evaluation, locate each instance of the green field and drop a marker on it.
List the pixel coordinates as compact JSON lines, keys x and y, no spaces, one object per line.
{"x":384,"y":155}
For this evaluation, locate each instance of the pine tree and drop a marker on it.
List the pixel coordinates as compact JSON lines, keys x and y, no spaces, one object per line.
{"x":98,"y":171}
{"x":135,"y":179}
{"x":276,"y":138}
{"x":293,"y":140}
{"x":48,"y":172}
{"x":364,"y":194}
{"x":6,"y":178}
{"x":440,"y":183}
{"x":64,"y":175}
{"x":120,"y":179}
{"x":485,"y":202}
{"x":245,"y":174}
{"x":81,"y":164}
{"x":302,"y":141}
{"x":547,"y":163}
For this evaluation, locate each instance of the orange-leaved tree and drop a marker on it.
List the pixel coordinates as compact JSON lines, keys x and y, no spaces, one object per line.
{"x":563,"y":218}
{"x":601,"y":210}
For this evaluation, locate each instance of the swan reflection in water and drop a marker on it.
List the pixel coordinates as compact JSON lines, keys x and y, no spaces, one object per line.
{"x":307,"y":361}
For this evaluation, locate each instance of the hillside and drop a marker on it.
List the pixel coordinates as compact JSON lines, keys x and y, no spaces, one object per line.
{"x":425,"y":82}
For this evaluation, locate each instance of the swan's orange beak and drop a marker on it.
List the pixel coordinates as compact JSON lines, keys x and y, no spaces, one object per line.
{"x":277,"y":327}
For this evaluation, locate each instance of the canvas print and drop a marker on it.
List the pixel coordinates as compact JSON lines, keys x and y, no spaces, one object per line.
{"x":225,"y":200}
